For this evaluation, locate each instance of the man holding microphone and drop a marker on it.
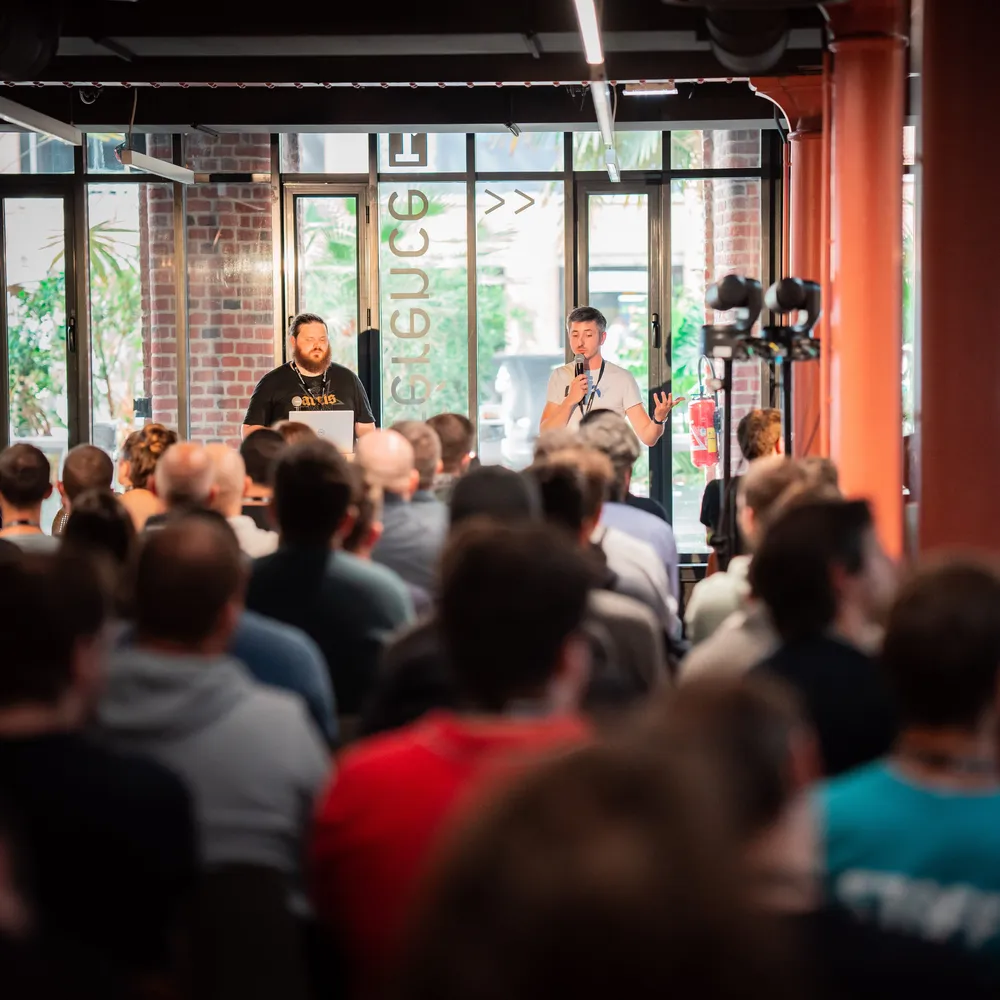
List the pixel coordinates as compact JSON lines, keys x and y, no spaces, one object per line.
{"x":601,"y":385}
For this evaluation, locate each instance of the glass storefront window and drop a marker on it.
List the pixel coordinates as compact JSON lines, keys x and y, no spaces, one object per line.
{"x":520,"y":311}
{"x":102,"y":159}
{"x":529,"y":151}
{"x":715,"y":230}
{"x":35,"y":257}
{"x":421,"y":152}
{"x":324,"y":153}
{"x":636,"y":151}
{"x":30,"y":153}
{"x":424,"y":290}
{"x":715,"y":149}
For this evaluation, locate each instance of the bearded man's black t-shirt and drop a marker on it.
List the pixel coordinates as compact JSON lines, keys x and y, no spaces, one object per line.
{"x":338,"y":389}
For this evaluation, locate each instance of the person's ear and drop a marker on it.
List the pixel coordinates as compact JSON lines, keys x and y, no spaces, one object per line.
{"x":440,"y":467}
{"x":374,"y":534}
{"x":572,"y":675}
{"x":604,"y":337}
{"x":213,"y":495}
{"x":48,"y":491}
{"x":62,"y":493}
{"x":466,"y":460}
{"x":414,"y":481}
{"x":347,"y":522}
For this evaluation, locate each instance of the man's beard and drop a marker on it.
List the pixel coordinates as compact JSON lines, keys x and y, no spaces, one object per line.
{"x":309,"y":365}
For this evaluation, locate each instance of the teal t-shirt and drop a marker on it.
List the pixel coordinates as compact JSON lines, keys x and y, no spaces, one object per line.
{"x":915,"y":859}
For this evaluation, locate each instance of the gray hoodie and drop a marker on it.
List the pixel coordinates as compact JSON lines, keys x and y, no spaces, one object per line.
{"x":250,"y":755}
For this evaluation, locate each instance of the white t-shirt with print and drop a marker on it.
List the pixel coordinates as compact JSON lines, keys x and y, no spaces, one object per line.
{"x":617,"y":390}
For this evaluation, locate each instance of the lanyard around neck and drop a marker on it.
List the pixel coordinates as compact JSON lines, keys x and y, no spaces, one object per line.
{"x":593,"y":392}
{"x":302,"y":382}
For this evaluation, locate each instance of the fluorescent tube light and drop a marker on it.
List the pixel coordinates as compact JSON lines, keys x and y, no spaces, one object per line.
{"x":35,"y":121}
{"x":602,"y":106}
{"x":154,"y":165}
{"x":611,"y":162}
{"x":650,"y":89}
{"x":590,"y":32}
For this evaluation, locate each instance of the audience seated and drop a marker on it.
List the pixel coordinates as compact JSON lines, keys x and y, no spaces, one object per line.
{"x":457,"y":435}
{"x":512,"y":601}
{"x":759,"y":754}
{"x":249,"y":753}
{"x":910,"y":841}
{"x":827,"y":583}
{"x":347,"y":605}
{"x":260,"y":450}
{"x":140,"y":455}
{"x":611,"y":434}
{"x":403,"y":462}
{"x":184,"y":480}
{"x":24,"y":487}
{"x":716,"y":597}
{"x":293,"y":431}
{"x":84,"y":468}
{"x":111,"y":835}
{"x":231,"y":482}
{"x":598,"y":876}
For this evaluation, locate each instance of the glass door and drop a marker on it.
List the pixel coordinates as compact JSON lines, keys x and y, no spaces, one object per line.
{"x":38,"y":338}
{"x":620,"y":274}
{"x":325,"y":271}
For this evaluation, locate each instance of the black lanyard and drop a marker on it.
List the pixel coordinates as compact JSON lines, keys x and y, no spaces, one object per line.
{"x":302,"y":382}
{"x":593,"y":392}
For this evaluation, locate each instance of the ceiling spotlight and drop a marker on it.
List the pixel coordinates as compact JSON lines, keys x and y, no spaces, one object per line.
{"x":590,"y":32}
{"x":35,"y":121}
{"x":651,"y":89}
{"x":515,"y":129}
{"x":611,"y":162}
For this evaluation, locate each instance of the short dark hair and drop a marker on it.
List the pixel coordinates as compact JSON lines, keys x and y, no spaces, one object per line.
{"x":314,"y":487}
{"x":25,"y":475}
{"x":186,"y":573}
{"x":426,"y":449}
{"x":758,"y":433}
{"x":99,"y":523}
{"x":457,"y":434}
{"x":942,"y":644}
{"x":260,"y":451}
{"x":792,"y":570}
{"x":596,"y":470}
{"x":587,"y":314}
{"x":561,"y":487}
{"x":293,"y":431}
{"x":87,"y":468}
{"x":57,"y":601}
{"x":495,"y":492}
{"x":511,"y":595}
{"x":303,"y":319}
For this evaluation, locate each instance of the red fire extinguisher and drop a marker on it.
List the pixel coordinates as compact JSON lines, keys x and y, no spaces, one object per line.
{"x":701,"y":416}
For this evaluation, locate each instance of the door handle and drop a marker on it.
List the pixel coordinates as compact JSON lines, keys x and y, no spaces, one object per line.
{"x":655,"y":319}
{"x":71,"y":334}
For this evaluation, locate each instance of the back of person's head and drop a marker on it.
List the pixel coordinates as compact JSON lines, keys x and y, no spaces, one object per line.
{"x":260,"y":451}
{"x":557,"y":439}
{"x":820,"y":472}
{"x":99,"y":523}
{"x":387,"y":459}
{"x":512,"y":599}
{"x":25,"y":476}
{"x":942,"y":645}
{"x":184,"y":476}
{"x":457,"y":435}
{"x":314,"y":487}
{"x":86,"y":468}
{"x":189,"y":581}
{"x":611,"y":434}
{"x":765,"y":483}
{"x":367,"y":527}
{"x":750,"y":732}
{"x":759,"y":433}
{"x":229,"y":476}
{"x":598,"y":875}
{"x":495,"y":492}
{"x":807,"y":560}
{"x":143,"y":451}
{"x":598,"y":474}
{"x":293,"y":431}
{"x":59,"y":605}
{"x":561,"y":488}
{"x":426,"y":447}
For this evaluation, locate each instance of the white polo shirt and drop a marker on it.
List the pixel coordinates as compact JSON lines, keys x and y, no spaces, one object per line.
{"x":615,"y":390}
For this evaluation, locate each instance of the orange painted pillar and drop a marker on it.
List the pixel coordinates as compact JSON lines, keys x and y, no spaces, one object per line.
{"x":866,"y":265}
{"x":958,"y":410}
{"x":801,"y":100}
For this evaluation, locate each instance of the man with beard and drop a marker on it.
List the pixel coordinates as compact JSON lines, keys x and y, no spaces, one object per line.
{"x":308,"y":383}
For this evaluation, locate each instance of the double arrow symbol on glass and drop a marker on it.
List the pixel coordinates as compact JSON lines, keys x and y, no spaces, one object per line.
{"x":529,"y":201}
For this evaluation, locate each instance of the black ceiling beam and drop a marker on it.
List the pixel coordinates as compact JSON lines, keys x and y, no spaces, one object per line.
{"x":369,"y":108}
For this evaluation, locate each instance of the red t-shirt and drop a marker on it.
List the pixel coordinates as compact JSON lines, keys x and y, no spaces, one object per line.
{"x":379,"y":819}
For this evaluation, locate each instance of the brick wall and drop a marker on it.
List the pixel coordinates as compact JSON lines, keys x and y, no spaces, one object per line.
{"x":733,"y":245}
{"x":230,"y":288}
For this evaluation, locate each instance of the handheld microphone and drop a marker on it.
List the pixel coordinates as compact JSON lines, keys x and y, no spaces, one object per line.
{"x":579,"y":365}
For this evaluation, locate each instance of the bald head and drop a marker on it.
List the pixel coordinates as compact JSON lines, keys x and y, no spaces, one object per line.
{"x":388,"y":462}
{"x":229,"y":476}
{"x":184,"y":476}
{"x":189,"y":584}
